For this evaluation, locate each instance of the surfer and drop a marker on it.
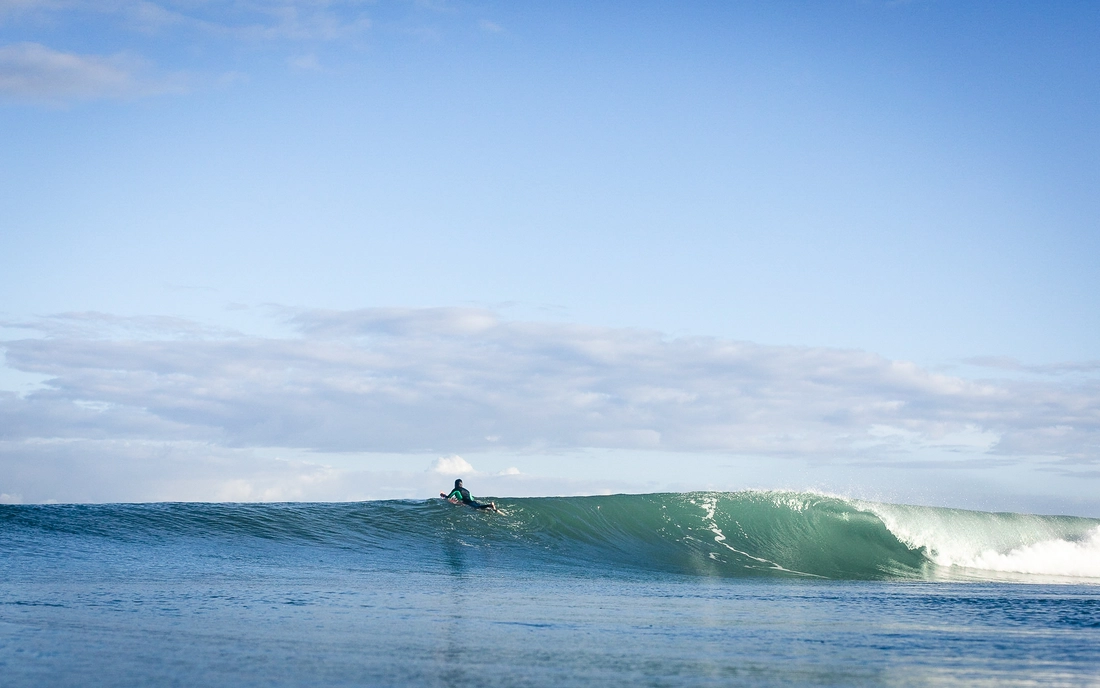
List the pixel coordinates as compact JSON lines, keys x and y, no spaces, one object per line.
{"x":463,"y":495}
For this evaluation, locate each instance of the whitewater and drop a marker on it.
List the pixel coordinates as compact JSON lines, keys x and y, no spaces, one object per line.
{"x":702,"y":588}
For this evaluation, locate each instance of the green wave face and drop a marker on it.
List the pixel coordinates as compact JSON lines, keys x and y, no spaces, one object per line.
{"x":747,"y":534}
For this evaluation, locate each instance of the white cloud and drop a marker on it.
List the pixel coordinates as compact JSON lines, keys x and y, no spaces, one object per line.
{"x":34,"y":72}
{"x":452,"y":465}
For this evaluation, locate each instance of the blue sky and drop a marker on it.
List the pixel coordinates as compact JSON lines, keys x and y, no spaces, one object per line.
{"x":846,"y":245}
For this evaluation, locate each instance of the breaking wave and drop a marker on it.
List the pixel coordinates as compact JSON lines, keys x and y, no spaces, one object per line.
{"x":740,"y":534}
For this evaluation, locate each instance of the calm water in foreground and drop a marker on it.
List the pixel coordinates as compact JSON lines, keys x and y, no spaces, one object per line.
{"x":676,"y":590}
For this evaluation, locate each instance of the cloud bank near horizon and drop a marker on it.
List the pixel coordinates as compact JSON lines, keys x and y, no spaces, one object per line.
{"x":453,"y":380}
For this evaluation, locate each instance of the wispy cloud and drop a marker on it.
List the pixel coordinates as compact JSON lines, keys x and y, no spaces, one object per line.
{"x":36,"y":73}
{"x":304,"y":63}
{"x":1014,"y":365}
{"x":95,"y":325}
{"x":447,"y":380}
{"x":17,"y":7}
{"x":489,"y":26}
{"x":295,"y":20}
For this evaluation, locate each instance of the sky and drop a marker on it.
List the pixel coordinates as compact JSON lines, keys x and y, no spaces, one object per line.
{"x":326,"y":250}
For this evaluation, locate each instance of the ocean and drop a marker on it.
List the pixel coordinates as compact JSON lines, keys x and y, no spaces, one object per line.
{"x":697,"y":589}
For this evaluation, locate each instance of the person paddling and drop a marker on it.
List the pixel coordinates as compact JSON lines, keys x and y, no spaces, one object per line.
{"x":463,"y":495}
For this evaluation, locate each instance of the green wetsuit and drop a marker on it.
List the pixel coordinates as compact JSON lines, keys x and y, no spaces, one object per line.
{"x":462,"y":494}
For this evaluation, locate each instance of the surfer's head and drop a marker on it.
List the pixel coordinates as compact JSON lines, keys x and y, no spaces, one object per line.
{"x":458,"y":483}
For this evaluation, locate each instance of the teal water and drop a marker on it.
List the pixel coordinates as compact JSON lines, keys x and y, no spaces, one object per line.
{"x":752,"y":588}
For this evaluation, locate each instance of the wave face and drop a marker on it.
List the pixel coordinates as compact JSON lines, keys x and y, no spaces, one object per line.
{"x":741,"y":534}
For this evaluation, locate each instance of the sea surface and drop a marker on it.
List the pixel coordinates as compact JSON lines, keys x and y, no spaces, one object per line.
{"x":695,"y":589}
